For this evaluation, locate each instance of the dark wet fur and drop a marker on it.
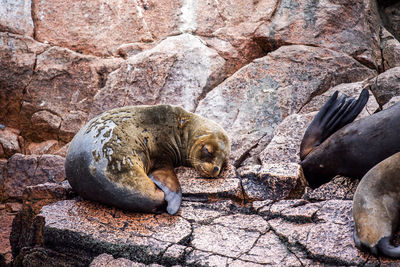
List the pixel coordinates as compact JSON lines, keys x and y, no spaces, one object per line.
{"x":336,"y":113}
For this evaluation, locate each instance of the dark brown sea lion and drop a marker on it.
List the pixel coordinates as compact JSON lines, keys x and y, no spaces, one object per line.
{"x":125,"y":156}
{"x":376,"y":207}
{"x":353,"y":149}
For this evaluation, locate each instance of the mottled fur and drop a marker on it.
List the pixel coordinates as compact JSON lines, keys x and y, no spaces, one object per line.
{"x":125,"y":156}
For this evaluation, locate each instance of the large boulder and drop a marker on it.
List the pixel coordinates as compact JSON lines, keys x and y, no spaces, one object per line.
{"x":252,"y":102}
{"x":351,"y":27}
{"x":61,"y":92}
{"x":15,"y":17}
{"x":180,"y":70}
{"x":386,"y":85}
{"x":100,"y":27}
{"x":18,"y":59}
{"x":26,"y":170}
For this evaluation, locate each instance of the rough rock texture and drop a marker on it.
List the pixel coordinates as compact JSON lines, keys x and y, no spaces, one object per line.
{"x":386,"y":85}
{"x":281,"y":233}
{"x":252,"y":102}
{"x":15,"y":17}
{"x":226,"y":185}
{"x":180,"y":70}
{"x":355,"y":31}
{"x":6,"y":219}
{"x":9,"y":142}
{"x":390,"y":47}
{"x":26,"y":170}
{"x":262,"y":69}
{"x":34,"y":198}
{"x":100,"y":27}
{"x":338,"y":188}
{"x":272,"y":181}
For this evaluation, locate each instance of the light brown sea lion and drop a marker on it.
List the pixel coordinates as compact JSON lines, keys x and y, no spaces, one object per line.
{"x":330,"y":147}
{"x":124,"y":156}
{"x":376,"y":207}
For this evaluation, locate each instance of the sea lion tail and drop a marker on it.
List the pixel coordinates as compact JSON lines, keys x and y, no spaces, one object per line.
{"x":336,"y":113}
{"x":388,"y":249}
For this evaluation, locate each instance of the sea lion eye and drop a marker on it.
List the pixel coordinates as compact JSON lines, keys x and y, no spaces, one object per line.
{"x":206,"y":151}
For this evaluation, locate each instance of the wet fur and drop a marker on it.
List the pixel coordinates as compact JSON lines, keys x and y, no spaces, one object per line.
{"x":126,"y":157}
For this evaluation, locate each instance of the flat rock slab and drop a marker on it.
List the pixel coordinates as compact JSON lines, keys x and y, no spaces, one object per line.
{"x":287,"y":232}
{"x":226,"y":186}
{"x":272,"y":181}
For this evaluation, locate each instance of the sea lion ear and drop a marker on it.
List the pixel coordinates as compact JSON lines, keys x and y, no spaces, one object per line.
{"x":336,"y":113}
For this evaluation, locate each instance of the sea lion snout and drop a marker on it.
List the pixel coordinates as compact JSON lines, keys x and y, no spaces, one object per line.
{"x":216,"y":170}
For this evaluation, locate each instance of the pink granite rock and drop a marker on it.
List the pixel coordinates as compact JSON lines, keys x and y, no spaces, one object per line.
{"x":252,"y":102}
{"x":180,"y":70}
{"x":26,"y":170}
{"x":351,"y":28}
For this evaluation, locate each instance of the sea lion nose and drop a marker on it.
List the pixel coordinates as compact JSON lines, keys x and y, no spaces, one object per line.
{"x":216,"y":169}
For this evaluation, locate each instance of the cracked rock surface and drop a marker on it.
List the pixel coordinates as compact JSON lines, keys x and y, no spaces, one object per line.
{"x":287,"y":232}
{"x":261,"y":69}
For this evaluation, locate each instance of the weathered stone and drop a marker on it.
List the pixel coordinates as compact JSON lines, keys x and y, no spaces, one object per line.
{"x":228,"y":27}
{"x":131,"y":49}
{"x":15,"y":17}
{"x":107,"y":260}
{"x":272,"y":181}
{"x":392,"y":101}
{"x":6,"y":219}
{"x":25,"y":170}
{"x":349,"y":89}
{"x":100,"y":27}
{"x":9,"y":142}
{"x":46,"y":147}
{"x":180,"y":70}
{"x":34,"y":198}
{"x":328,"y":241}
{"x":45,"y":124}
{"x":62,"y":152}
{"x":285,"y":145}
{"x":226,"y":185}
{"x":40,"y":256}
{"x":203,"y":213}
{"x":390,"y":47}
{"x":18,"y":56}
{"x":61,"y":93}
{"x":226,"y":241}
{"x":352,"y":28}
{"x":13,"y":207}
{"x":253,"y":101}
{"x":338,"y":188}
{"x":96,"y":229}
{"x":3,"y":175}
{"x":391,"y":17}
{"x":386,"y":85}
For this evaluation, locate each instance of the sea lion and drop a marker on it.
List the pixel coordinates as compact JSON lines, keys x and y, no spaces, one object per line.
{"x":353,"y":149}
{"x":376,"y":207}
{"x":125,"y":157}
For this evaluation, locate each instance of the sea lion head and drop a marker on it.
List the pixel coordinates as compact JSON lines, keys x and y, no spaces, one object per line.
{"x":209,"y":152}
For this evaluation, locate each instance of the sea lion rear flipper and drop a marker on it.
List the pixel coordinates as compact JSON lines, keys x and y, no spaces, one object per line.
{"x":388,"y":249}
{"x":336,"y":113}
{"x":166,"y":180}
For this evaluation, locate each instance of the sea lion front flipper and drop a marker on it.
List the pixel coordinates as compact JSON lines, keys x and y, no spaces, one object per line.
{"x":388,"y":249}
{"x":336,"y":113}
{"x":165,"y":179}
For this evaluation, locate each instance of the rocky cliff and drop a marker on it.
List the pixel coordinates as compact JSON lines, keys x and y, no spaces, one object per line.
{"x":260,"y":68}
